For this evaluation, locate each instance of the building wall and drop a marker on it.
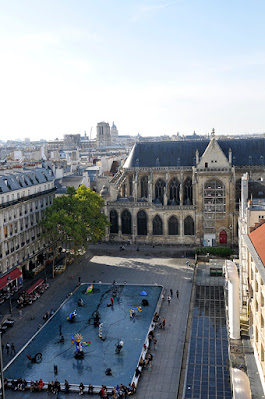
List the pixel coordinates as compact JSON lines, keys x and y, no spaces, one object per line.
{"x":256,"y":310}
{"x":20,"y":212}
{"x":215,"y":218}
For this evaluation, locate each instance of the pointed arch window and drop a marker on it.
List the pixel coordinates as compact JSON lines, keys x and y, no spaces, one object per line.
{"x":114,"y":226}
{"x":157,"y":226}
{"x":159,"y":190}
{"x":173,"y":226}
{"x":141,"y":223}
{"x":144,"y":187}
{"x":188,"y":192}
{"x":130,"y":185}
{"x":174,"y":187}
{"x":126,"y":222}
{"x":238,"y":193}
{"x":188,"y":226}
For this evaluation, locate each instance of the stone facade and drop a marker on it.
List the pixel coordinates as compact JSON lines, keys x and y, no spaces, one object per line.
{"x":181,"y":193}
{"x":23,"y":198}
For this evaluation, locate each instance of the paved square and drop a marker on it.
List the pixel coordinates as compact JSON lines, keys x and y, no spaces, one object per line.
{"x":134,"y":268}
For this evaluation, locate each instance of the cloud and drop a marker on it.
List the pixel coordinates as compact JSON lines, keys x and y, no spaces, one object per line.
{"x":147,"y":9}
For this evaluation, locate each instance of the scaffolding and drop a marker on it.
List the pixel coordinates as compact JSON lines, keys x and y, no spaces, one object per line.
{"x":214,"y":202}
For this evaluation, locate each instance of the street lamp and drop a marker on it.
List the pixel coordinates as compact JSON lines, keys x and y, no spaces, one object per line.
{"x":9,"y":290}
{"x":1,"y":366}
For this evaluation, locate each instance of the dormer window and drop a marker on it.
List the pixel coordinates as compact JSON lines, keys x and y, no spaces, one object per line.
{"x":206,"y":164}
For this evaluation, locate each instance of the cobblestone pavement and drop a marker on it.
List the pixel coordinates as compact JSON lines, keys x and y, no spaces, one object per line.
{"x":133,"y":267}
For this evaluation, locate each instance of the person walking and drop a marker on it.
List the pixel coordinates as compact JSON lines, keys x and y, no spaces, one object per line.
{"x":155,"y":342}
{"x":177,"y":293}
{"x":13,"y":350}
{"x":169,"y":299}
{"x":7,"y":348}
{"x":171,"y":292}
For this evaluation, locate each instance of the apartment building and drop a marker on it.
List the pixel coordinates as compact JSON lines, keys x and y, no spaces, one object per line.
{"x":23,"y":197}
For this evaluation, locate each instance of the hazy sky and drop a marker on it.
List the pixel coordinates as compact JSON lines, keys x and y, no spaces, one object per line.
{"x":151,"y":66}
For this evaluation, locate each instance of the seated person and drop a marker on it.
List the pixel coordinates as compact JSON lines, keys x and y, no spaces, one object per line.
{"x":90,"y":389}
{"x":81,"y":388}
{"x":41,"y":383}
{"x":137,"y":372}
{"x":141,"y":363}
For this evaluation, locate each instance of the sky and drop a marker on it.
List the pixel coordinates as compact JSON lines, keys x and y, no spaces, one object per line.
{"x":154,"y":67}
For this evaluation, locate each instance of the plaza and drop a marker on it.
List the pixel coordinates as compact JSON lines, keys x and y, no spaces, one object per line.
{"x":134,"y":267}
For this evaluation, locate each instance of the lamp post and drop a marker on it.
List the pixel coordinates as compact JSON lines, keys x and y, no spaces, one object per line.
{"x":9,"y":290}
{"x":1,"y":366}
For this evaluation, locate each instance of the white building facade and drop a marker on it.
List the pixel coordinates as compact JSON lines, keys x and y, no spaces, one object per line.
{"x":23,"y":198}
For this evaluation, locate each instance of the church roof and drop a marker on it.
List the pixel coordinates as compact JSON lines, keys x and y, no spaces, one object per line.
{"x":183,"y":153}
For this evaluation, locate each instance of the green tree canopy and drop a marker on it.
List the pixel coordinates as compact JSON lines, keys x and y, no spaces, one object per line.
{"x":75,"y":218}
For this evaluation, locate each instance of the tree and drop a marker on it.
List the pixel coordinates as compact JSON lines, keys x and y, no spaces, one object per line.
{"x":75,"y":219}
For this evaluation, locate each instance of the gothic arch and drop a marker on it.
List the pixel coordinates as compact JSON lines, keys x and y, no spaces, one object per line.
{"x":144,"y":187}
{"x":114,"y":226}
{"x":174,"y":188}
{"x":188,"y":194}
{"x":188,"y":226}
{"x":141,"y":223}
{"x":126,"y":222}
{"x":159,"y":190}
{"x":157,"y":226}
{"x":173,"y":226}
{"x":238,"y":193}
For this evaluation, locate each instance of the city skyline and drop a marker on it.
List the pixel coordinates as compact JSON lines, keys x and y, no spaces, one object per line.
{"x":153,"y":67}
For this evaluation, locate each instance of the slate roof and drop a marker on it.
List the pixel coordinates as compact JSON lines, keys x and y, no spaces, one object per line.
{"x":257,"y":238}
{"x":25,"y":179}
{"x":183,"y":153}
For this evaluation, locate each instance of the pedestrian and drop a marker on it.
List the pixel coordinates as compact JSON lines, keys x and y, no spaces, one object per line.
{"x":163,"y":326}
{"x":13,"y":350}
{"x":66,"y":386}
{"x":171,"y":292}
{"x":177,"y":293}
{"x":169,"y":299}
{"x":79,"y":280}
{"x":7,"y":348}
{"x":150,"y":360}
{"x":155,"y":342}
{"x":20,"y":313}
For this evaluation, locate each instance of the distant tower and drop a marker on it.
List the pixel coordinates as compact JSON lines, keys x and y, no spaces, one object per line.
{"x":114,"y":131}
{"x":103,"y":134}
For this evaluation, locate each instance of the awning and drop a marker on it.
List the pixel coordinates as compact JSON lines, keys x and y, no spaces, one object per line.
{"x":34,"y":286}
{"x":13,"y":275}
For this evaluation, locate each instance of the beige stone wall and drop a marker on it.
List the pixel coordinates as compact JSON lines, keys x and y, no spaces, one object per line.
{"x":199,"y":175}
{"x":257,"y":312}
